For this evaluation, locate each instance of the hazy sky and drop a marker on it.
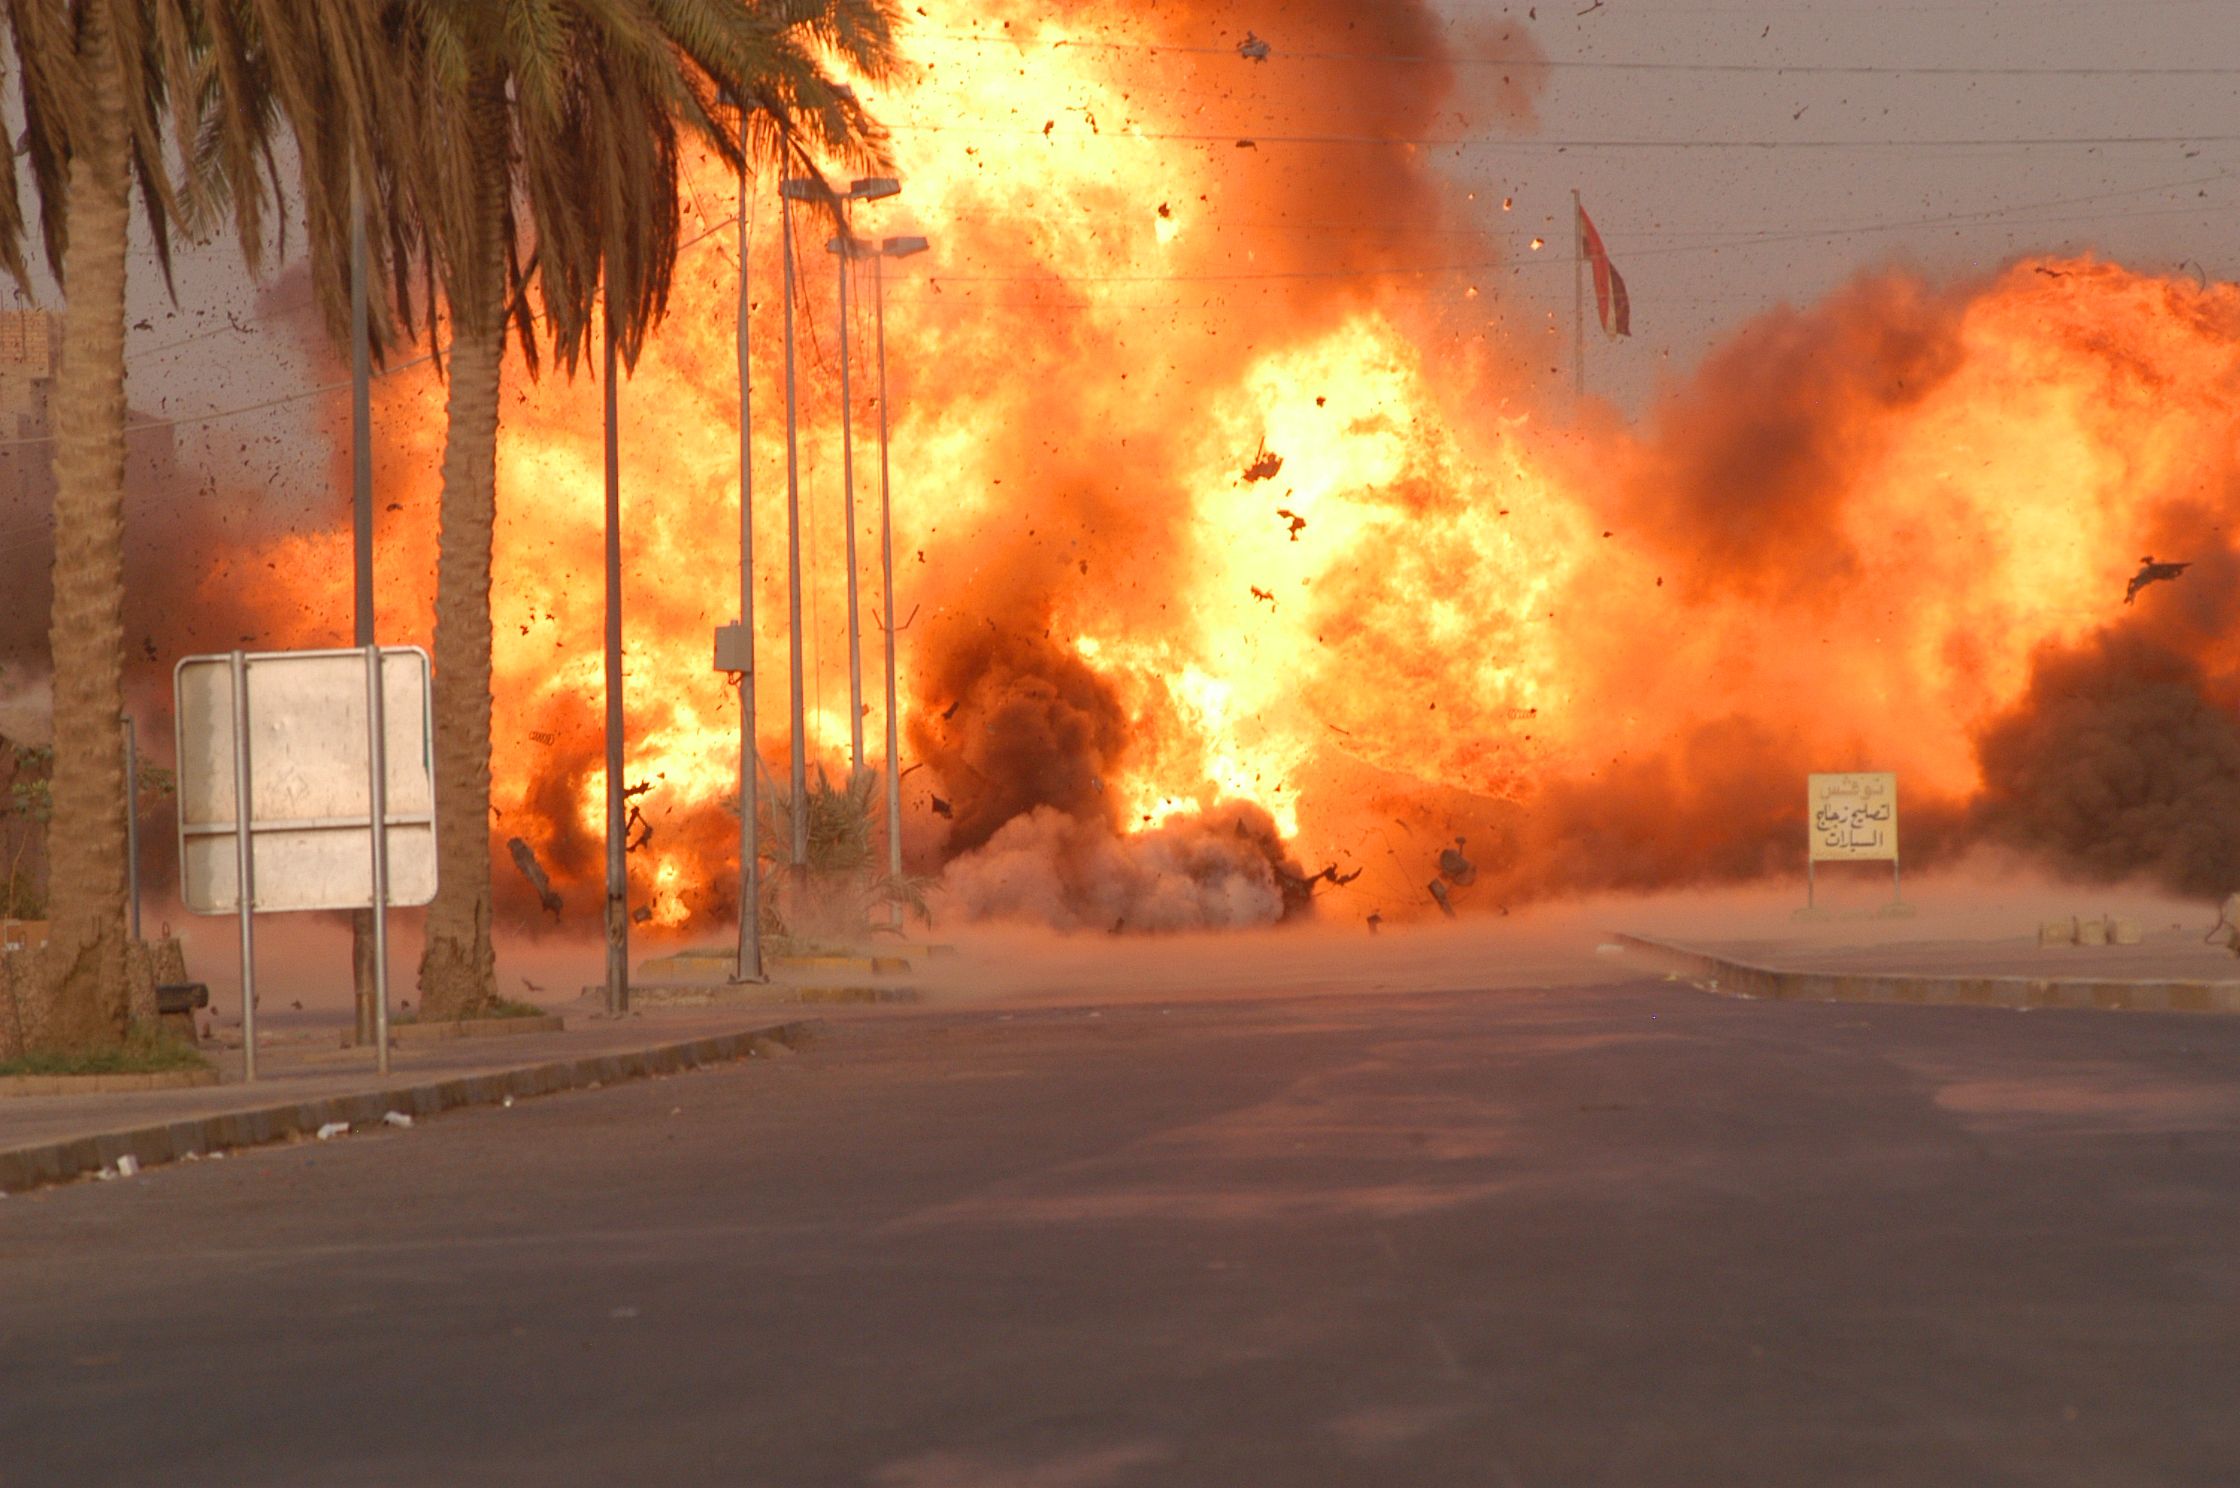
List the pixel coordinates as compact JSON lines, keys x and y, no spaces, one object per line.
{"x":1706,"y":236}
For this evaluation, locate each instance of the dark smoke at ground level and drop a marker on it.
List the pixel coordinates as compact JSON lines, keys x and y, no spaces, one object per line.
{"x":2117,"y":764}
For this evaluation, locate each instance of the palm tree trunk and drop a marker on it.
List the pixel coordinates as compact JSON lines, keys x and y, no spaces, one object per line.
{"x":458,"y":970}
{"x":82,"y":992}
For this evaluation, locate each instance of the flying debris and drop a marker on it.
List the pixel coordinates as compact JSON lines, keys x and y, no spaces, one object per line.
{"x":1265,"y":464}
{"x":1252,"y":48}
{"x":1298,"y":523}
{"x":1439,"y":892}
{"x":943,"y":810}
{"x":1260,"y":593}
{"x":1302,"y":885}
{"x":1375,"y":919}
{"x":525,"y":859}
{"x":1455,"y":868}
{"x":2151,"y":572}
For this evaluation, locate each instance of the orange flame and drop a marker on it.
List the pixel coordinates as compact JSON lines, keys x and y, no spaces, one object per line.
{"x":1601,"y":655}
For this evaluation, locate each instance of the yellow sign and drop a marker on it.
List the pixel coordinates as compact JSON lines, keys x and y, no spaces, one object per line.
{"x":1853,"y":817}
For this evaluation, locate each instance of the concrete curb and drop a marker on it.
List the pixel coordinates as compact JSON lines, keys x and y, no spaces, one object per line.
{"x":754,"y":994}
{"x":61,"y":1160}
{"x":444,"y":1032}
{"x":187,"y":1079}
{"x":1742,"y":979}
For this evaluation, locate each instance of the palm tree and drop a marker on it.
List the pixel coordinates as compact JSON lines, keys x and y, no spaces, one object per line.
{"x":106,"y":86}
{"x":544,"y":142}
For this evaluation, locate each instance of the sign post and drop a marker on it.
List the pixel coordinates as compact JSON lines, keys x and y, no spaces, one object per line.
{"x":1851,"y":818}
{"x":306,"y":782}
{"x":245,"y":873}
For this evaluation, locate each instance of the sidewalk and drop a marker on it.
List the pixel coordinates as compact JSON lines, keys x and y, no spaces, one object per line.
{"x":2171,"y":972}
{"x":305,"y":1081}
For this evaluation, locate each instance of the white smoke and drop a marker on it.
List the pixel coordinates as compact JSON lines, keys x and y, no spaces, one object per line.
{"x":1215,"y":871}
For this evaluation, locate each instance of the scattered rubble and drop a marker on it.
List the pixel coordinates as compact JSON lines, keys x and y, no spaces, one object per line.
{"x":1266,"y":464}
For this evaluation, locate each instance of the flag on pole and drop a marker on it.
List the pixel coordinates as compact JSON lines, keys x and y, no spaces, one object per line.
{"x":1610,"y":300}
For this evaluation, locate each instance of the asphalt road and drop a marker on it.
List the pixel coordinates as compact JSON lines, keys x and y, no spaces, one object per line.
{"x":1626,"y":1236}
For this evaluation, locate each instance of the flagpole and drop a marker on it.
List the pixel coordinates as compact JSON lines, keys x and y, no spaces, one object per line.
{"x":1578,"y":300}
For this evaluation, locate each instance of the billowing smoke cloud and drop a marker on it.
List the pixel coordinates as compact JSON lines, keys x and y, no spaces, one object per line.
{"x":1208,"y":489}
{"x":1219,"y":870}
{"x":1756,"y":458}
{"x":1027,"y":727}
{"x":2116,"y":765}
{"x":1022,"y":737}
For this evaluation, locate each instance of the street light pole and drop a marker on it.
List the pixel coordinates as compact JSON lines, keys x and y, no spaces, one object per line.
{"x":870,"y":189}
{"x":891,"y":248}
{"x":844,"y":247}
{"x":618,"y":872}
{"x":796,"y":189}
{"x":749,"y":966}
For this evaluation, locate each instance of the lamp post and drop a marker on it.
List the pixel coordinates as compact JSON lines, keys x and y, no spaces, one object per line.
{"x":871,"y":189}
{"x":618,"y":867}
{"x":891,"y":248}
{"x":797,"y":188}
{"x":748,"y":966}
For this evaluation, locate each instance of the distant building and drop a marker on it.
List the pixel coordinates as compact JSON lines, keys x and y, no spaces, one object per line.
{"x":30,"y":351}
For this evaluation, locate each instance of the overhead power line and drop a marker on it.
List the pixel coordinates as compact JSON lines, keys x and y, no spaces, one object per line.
{"x":1632,"y":247}
{"x":1246,"y":139}
{"x":185,"y":419}
{"x":1588,"y":64}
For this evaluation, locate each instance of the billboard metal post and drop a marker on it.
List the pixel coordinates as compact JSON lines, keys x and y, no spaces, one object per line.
{"x":245,"y":878}
{"x":361,"y":550}
{"x":300,"y":735}
{"x":377,"y":785}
